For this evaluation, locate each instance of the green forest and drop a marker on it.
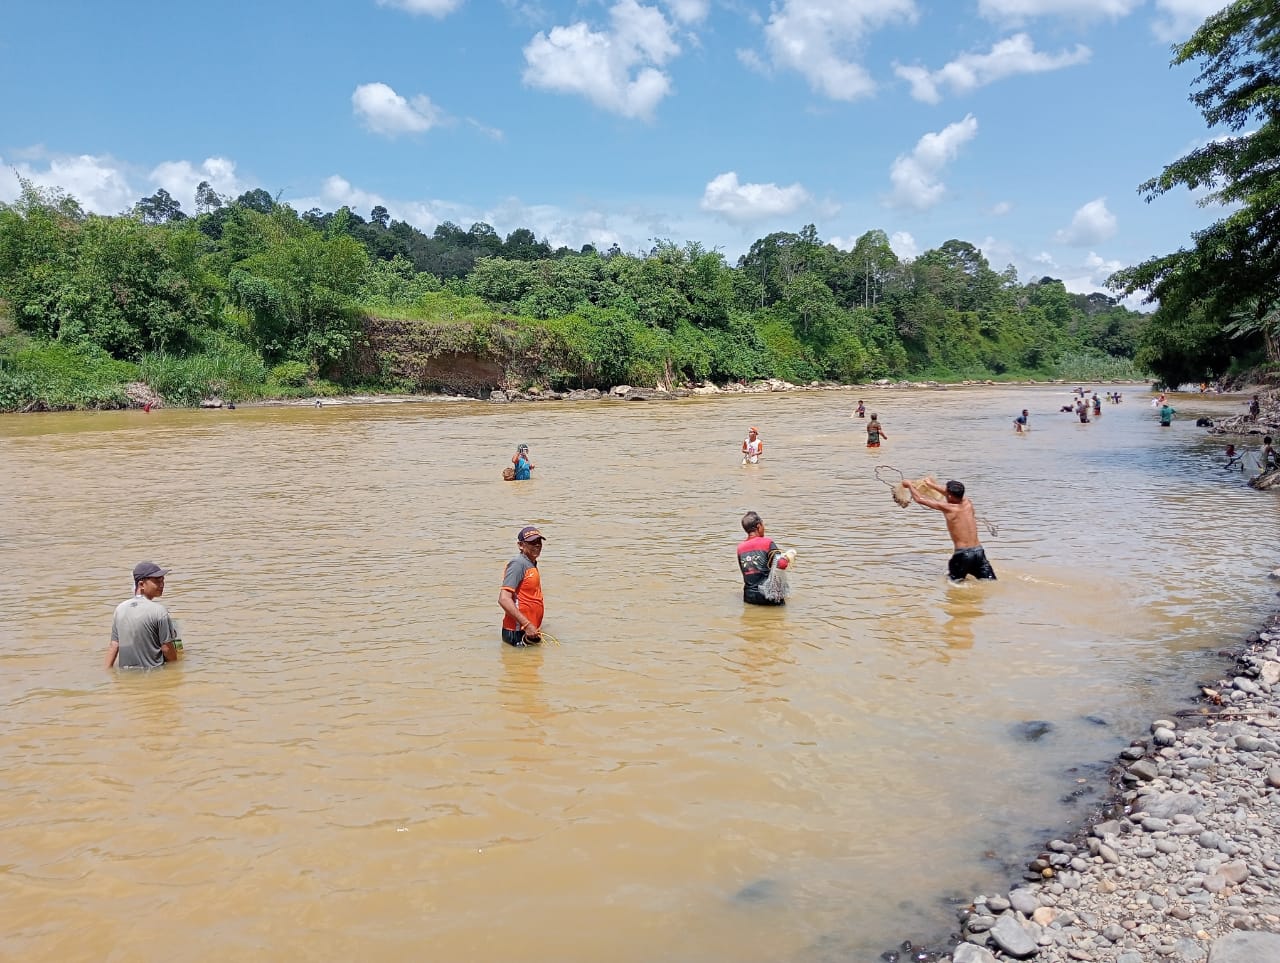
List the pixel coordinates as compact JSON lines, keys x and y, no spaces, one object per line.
{"x":247,"y":298}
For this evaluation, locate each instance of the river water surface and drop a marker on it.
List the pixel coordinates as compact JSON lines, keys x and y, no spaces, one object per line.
{"x":349,"y":765}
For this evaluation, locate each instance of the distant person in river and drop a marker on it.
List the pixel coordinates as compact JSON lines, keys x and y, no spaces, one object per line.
{"x":1082,"y":411}
{"x":521,"y":464}
{"x":1167,"y":411}
{"x":143,"y":636}
{"x":1097,"y":404}
{"x":861,"y":410}
{"x":520,"y":597}
{"x":874,"y":431}
{"x":969,"y":557}
{"x":756,"y":555}
{"x":1268,"y":454}
{"x":1233,"y":458}
{"x":1020,"y":423}
{"x":752,"y":447}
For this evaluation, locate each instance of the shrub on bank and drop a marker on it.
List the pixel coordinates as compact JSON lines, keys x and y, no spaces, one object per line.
{"x":53,"y":376}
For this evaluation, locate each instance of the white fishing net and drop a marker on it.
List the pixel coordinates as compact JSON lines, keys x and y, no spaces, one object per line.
{"x":778,"y":585}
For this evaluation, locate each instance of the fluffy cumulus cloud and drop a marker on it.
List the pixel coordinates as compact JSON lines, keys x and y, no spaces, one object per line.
{"x":1176,"y":20}
{"x":820,"y":39}
{"x":181,"y":178}
{"x":744,"y":203}
{"x":618,"y":69}
{"x":689,"y":11}
{"x":1012,"y":12}
{"x":384,"y":111}
{"x":432,"y":8}
{"x":1011,"y":56}
{"x":100,"y":183}
{"x":1091,"y":224}
{"x":1001,"y":208}
{"x":916,"y":176}
{"x":904,"y":245}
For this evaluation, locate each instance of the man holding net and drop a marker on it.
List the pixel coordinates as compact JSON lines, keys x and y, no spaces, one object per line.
{"x":962,"y":525}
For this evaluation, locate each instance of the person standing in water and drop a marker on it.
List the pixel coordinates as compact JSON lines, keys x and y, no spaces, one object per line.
{"x":1020,"y":423}
{"x":969,"y":557}
{"x":1167,"y":411}
{"x":143,"y":636}
{"x":755,"y":557}
{"x":874,"y":431}
{"x":521,"y":463}
{"x":520,"y":597}
{"x":861,"y":410}
{"x":752,"y":447}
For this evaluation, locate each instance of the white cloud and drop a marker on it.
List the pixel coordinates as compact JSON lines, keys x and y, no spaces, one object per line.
{"x":915,"y":175}
{"x":820,"y":38}
{"x":753,"y":62}
{"x":1011,"y":56}
{"x":493,"y":133}
{"x":1091,"y":224}
{"x":432,"y":8}
{"x":1001,"y":208}
{"x":384,"y":111}
{"x":99,"y":182}
{"x":1180,"y":18}
{"x":743,"y":203}
{"x":904,"y":245}
{"x":181,"y":178}
{"x":1012,"y":12}
{"x":689,"y":11}
{"x":617,"y":70}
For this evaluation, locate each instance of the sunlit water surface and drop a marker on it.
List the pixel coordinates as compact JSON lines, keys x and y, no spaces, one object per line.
{"x":349,"y":765}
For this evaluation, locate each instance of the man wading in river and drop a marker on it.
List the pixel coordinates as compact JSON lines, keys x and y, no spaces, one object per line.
{"x":521,"y":594}
{"x":143,"y":635}
{"x":962,"y":525}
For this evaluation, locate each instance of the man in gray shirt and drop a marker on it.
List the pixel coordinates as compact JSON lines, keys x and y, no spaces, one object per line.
{"x":143,"y":635}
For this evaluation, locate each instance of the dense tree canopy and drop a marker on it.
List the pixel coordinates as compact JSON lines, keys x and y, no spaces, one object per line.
{"x":296,"y":297}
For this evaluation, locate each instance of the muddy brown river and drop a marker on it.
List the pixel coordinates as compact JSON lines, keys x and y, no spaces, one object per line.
{"x":349,"y":765}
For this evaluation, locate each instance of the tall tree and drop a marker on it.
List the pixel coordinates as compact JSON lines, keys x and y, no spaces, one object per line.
{"x":1234,"y":265}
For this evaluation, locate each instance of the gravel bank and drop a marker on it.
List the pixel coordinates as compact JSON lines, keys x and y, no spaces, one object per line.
{"x":1187,"y":866}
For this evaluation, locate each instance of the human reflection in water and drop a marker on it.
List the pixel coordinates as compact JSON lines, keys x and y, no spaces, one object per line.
{"x":520,"y":688}
{"x":764,"y":647}
{"x":962,"y":606}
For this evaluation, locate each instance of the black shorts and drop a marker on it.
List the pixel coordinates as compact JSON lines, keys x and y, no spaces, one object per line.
{"x":970,"y":561}
{"x":756,"y":597}
{"x":516,"y":637}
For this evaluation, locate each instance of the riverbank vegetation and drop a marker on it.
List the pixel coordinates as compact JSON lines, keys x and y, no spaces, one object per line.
{"x":248,"y":299}
{"x":1219,"y":299}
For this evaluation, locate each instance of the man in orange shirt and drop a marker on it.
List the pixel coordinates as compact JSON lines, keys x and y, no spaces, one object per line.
{"x":521,"y":594}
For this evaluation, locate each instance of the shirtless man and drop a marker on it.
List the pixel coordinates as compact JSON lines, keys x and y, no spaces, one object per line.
{"x":962,"y":525}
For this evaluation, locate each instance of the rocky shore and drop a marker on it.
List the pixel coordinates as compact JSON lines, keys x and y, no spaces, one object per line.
{"x":1184,"y":863}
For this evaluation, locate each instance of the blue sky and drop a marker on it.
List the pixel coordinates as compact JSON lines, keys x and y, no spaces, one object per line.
{"x":1022,"y":126}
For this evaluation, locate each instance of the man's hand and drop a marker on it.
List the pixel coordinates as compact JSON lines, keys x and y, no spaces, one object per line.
{"x":531,"y":631}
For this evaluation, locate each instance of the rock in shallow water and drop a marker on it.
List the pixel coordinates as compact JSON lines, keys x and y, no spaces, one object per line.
{"x":1032,"y":731}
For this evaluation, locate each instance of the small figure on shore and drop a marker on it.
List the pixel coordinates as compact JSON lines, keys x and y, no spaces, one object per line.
{"x":521,"y":464}
{"x":1020,"y":423}
{"x":756,"y":555}
{"x":969,"y":557}
{"x":861,"y":410}
{"x":752,"y":447}
{"x":1167,"y":411}
{"x":143,"y":636}
{"x":1254,"y":408}
{"x":875,"y":432}
{"x":520,"y":597}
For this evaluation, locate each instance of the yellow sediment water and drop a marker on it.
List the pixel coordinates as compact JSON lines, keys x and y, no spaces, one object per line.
{"x":349,"y":764}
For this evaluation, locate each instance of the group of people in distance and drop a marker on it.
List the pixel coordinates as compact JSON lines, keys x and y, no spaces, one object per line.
{"x":144,"y":636}
{"x":875,"y":431}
